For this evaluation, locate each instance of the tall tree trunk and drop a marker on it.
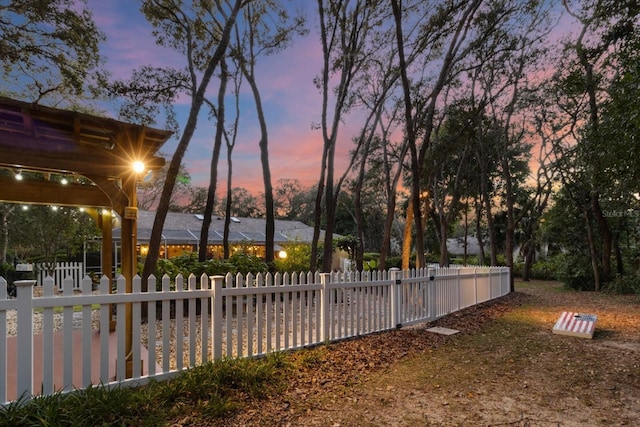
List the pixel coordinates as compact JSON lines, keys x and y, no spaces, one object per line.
{"x":444,"y":252}
{"x":592,"y":251}
{"x":317,"y":215}
{"x":358,"y":212}
{"x":406,"y":240}
{"x":586,"y":56}
{"x":511,"y":221}
{"x":606,"y":236}
{"x":478,"y":204}
{"x":466,"y":229}
{"x":452,"y":54}
{"x":386,"y":234}
{"x":330,"y":211}
{"x":326,"y":168}
{"x":493,"y":244}
{"x":227,"y":209}
{"x":176,"y":160}
{"x":410,"y":132}
{"x":266,"y":170}
{"x":392,"y":185}
{"x":213,"y":172}
{"x":618,"y":253}
{"x":529,"y":250}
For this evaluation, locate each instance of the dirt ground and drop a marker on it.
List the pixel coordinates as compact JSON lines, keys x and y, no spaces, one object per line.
{"x":504,"y":368}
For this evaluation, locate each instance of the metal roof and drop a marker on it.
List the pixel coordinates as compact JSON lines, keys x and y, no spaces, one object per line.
{"x":183,"y":229}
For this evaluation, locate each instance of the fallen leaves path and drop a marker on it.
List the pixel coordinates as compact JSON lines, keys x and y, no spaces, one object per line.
{"x":348,"y":363}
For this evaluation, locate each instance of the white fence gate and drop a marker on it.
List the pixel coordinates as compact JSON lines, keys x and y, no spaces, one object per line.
{"x":57,"y":342}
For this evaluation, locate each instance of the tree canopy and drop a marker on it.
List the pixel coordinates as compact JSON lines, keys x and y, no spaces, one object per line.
{"x":49,"y":51}
{"x":473,"y":117}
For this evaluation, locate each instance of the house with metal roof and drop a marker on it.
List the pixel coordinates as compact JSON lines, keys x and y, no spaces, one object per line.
{"x":456,"y":246}
{"x":181,"y":233}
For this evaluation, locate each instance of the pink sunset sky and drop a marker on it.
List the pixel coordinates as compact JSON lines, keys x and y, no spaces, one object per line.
{"x":290,"y":99}
{"x":291,"y":102}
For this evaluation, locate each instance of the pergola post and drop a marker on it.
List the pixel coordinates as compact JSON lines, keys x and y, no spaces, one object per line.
{"x":129,"y":241}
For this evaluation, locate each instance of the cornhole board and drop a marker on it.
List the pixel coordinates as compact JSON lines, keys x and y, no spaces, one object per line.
{"x":579,"y":325}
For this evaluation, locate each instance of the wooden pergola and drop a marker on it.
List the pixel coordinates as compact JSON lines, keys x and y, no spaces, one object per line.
{"x":94,"y":154}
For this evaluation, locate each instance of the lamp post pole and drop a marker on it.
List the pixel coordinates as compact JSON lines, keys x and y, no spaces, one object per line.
{"x":129,"y":262}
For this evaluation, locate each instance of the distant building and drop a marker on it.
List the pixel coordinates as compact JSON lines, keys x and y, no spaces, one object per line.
{"x":455,"y":246}
{"x":181,"y":233}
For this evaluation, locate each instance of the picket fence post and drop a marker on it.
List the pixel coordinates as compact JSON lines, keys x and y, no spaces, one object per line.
{"x":396,"y":279}
{"x":432,"y":292}
{"x":325,"y":279}
{"x":216,"y":316}
{"x":24,"y":296}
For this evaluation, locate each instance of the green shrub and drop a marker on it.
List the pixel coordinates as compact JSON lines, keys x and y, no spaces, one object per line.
{"x":371,"y":261}
{"x":393,"y":262}
{"x":203,"y":395}
{"x":518,"y":269}
{"x":298,"y":258}
{"x":547,"y":269}
{"x":214,"y":267}
{"x":166,"y":266}
{"x":628,"y":284}
{"x":245,"y":263}
{"x":6,"y":271}
{"x":575,"y":272}
{"x":187,"y":264}
{"x":543,"y":270}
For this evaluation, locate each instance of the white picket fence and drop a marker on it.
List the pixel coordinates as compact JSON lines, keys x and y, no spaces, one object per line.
{"x":63,"y":270}
{"x":62,"y":341}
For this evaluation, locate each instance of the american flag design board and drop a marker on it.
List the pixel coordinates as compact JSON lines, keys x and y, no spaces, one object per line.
{"x":576,"y":324}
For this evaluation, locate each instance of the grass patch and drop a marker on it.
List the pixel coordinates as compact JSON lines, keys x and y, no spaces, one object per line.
{"x":543,"y":285}
{"x":214,"y":390}
{"x":310,"y":358}
{"x":89,"y":407}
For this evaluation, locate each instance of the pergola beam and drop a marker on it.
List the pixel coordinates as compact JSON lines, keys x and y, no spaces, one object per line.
{"x":24,"y":151}
{"x":52,"y":193}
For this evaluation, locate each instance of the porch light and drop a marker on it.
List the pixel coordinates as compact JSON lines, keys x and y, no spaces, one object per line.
{"x":64,"y":180}
{"x":138,"y":166}
{"x":282,"y":254}
{"x":19,"y":176}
